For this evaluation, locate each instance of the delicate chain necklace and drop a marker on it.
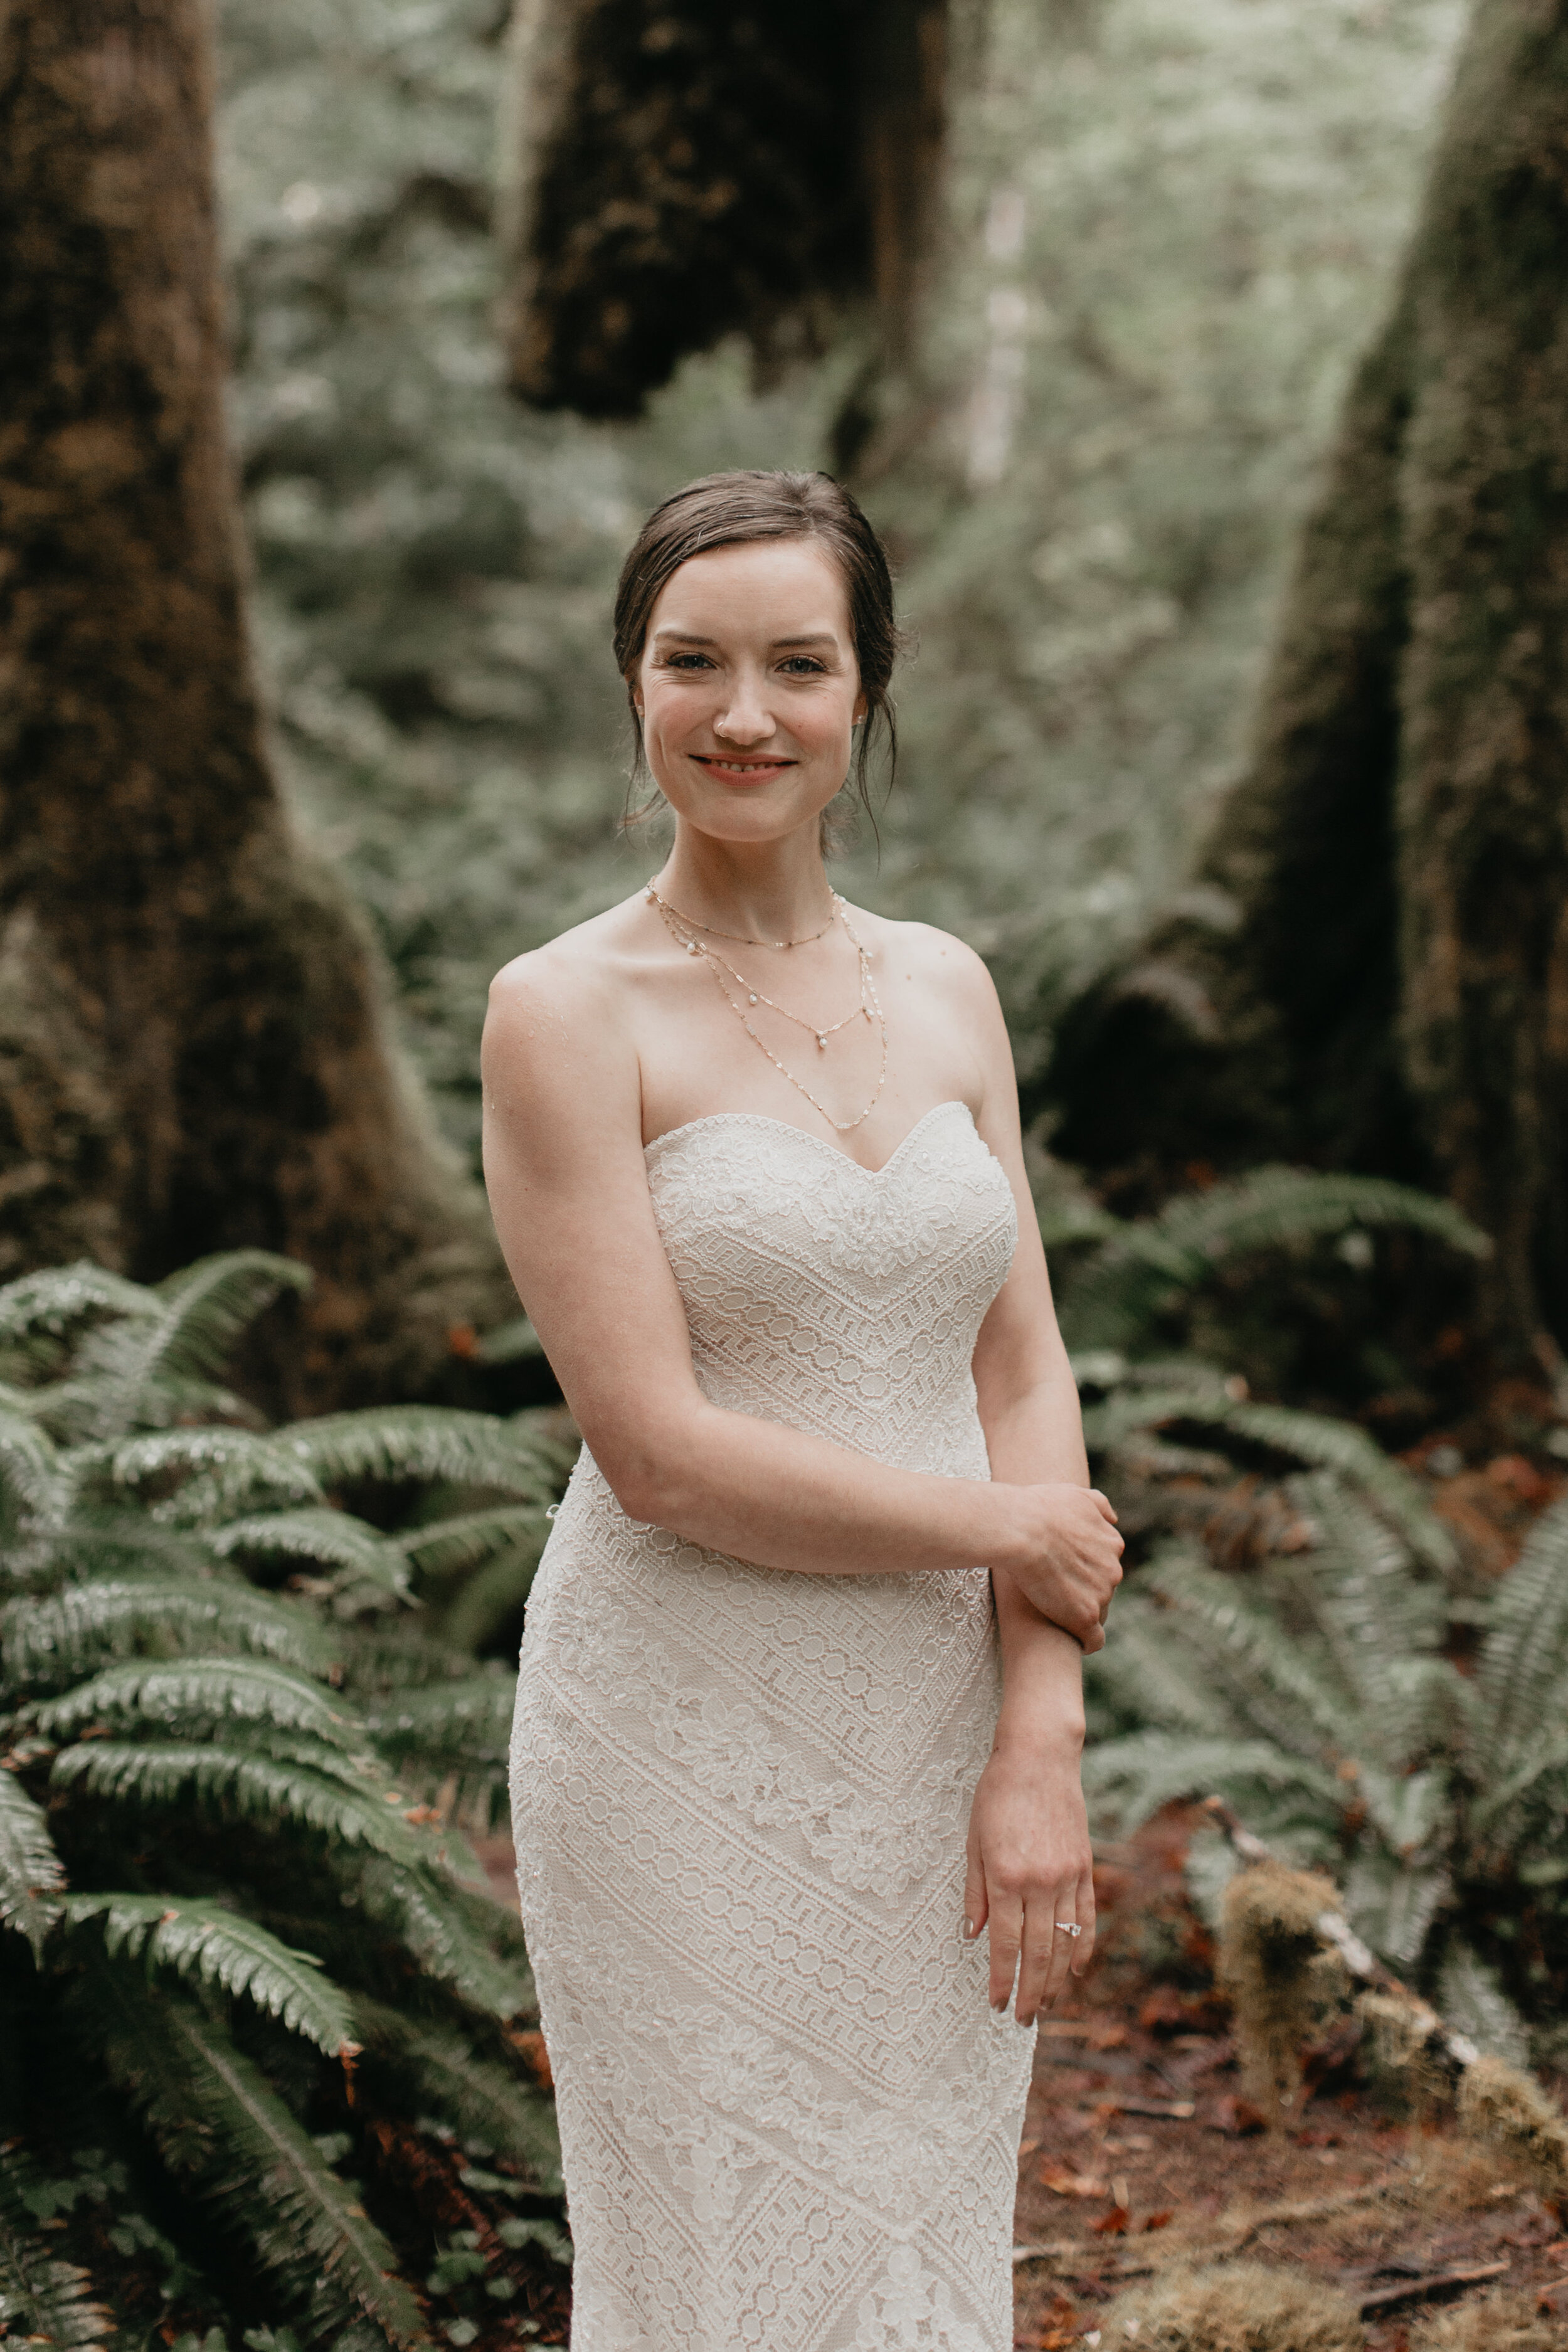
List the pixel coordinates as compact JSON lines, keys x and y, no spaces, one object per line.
{"x":870,"y":1004}
{"x":744,"y":939}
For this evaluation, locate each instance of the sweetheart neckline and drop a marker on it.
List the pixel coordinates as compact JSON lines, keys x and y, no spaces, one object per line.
{"x":763,"y":1118}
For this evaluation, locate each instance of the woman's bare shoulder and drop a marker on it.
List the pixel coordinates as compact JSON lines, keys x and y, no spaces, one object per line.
{"x":918,"y":951}
{"x":591,"y":965}
{"x":560,"y":1015}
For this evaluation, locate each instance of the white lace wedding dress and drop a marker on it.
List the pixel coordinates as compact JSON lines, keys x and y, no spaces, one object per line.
{"x":789,"y":2117}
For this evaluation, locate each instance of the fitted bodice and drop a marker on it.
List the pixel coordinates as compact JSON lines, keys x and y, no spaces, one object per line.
{"x":836,"y":1298}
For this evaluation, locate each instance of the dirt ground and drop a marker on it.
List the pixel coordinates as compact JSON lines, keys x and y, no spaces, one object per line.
{"x":1139,"y":2150}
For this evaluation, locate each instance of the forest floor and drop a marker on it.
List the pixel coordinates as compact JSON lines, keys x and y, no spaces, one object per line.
{"x":1139,"y":2151}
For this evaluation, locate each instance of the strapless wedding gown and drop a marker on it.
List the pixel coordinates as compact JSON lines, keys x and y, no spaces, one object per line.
{"x":789,"y":2119}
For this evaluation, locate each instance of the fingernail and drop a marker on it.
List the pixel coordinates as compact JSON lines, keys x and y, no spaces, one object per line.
{"x":968,"y":1930}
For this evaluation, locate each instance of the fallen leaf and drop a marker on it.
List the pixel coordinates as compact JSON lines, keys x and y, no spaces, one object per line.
{"x":1160,"y":2220}
{"x":530,"y":2049}
{"x":1236,"y":2116}
{"x":1056,"y":2176}
{"x":1112,"y":2224}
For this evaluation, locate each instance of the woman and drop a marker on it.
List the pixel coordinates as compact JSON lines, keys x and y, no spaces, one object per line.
{"x":754,"y":1159}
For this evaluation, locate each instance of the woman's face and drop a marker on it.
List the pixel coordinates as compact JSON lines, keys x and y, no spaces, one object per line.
{"x":748,"y":688}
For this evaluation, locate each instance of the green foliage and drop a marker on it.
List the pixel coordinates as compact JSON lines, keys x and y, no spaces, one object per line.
{"x":1319,"y":1696}
{"x":236,"y":1774}
{"x":41,"y":2298}
{"x":1169,"y":232}
{"x":1140,"y":1270}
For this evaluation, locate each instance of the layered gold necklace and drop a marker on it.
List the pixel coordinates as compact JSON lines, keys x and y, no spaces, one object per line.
{"x":683,"y":929}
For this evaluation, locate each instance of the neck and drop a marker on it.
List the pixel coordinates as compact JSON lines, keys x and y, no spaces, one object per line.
{"x":770,"y":890}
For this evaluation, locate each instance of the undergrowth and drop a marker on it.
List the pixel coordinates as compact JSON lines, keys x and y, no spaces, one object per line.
{"x":267,"y":2057}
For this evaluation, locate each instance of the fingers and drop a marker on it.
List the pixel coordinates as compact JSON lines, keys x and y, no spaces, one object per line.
{"x":1084,"y":1912}
{"x":1006,"y":1941}
{"x":975,"y":1906}
{"x":1108,"y":1508}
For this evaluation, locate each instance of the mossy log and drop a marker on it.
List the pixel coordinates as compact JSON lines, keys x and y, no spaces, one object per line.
{"x":193,"y":1046}
{"x":676,"y":170}
{"x":1377,"y":976}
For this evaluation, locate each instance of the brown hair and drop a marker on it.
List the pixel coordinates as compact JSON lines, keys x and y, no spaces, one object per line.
{"x":732,"y":509}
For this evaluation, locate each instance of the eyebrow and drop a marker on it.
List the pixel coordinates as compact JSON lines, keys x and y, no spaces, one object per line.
{"x":688,"y":637}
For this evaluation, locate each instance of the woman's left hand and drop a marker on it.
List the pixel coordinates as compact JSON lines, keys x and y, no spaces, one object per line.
{"x":1031,"y":1877}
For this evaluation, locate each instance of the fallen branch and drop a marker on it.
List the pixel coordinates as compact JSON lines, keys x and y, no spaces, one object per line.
{"x":1359,"y":1958}
{"x":1318,"y":2208}
{"x":1422,"y":2290}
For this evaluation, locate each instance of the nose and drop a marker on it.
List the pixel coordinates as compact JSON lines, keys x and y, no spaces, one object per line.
{"x":746,"y":719}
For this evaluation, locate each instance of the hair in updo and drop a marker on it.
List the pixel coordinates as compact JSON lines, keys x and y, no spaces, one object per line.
{"x":737,"y":508}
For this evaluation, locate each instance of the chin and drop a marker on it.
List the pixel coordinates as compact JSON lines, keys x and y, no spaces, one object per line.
{"x":760,"y":813}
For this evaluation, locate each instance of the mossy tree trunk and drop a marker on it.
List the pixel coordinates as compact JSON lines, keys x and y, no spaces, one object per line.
{"x":681,"y":170}
{"x":192,"y":1046}
{"x":1379,"y":977}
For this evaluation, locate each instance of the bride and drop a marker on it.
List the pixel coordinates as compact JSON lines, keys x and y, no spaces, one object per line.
{"x":801,"y":1844}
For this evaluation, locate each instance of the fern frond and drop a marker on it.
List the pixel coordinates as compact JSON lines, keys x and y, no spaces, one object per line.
{"x":31,"y":1872}
{"x":453,"y":1939}
{"x":29,"y":1472}
{"x":479,"y":2099}
{"x":1339,"y":1445}
{"x":76,"y":1410}
{"x":450,"y":1730}
{"x":1392,"y":1904}
{"x":484,"y":1603}
{"x":448,"y":1720}
{"x":219,"y":1947}
{"x":1115,"y":1299}
{"x":201,"y":1315}
{"x":1525,"y":1653}
{"x":332,"y":1538}
{"x":1282,"y":1693}
{"x":55,"y":1300}
{"x":448,"y":1546}
{"x":187,"y":1695}
{"x":1379,"y":1620}
{"x":1147,"y":1768}
{"x":215,"y":2116}
{"x":42,"y":2300}
{"x":288,"y":1784}
{"x":398,"y":1443}
{"x":224,"y":1470}
{"x":1469,"y":1997}
{"x":1408,"y":1810}
{"x":46,"y":1644}
{"x":1151,"y":1668}
{"x":114,"y":1543}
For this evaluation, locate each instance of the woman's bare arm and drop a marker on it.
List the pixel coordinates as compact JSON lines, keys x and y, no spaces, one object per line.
{"x":564,"y":1165}
{"x":1030,"y":1863}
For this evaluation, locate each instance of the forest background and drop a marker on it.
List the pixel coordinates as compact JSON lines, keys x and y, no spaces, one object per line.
{"x":1169,"y":231}
{"x":1166,"y":233}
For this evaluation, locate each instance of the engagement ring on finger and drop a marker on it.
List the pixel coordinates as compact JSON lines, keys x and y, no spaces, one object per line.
{"x":1069,"y":1927}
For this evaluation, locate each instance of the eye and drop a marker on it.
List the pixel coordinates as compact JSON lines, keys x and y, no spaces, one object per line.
{"x":802,"y":666}
{"x":687,"y":661}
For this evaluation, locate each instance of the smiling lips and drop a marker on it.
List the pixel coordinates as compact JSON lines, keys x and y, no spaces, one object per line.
{"x":736,"y":769}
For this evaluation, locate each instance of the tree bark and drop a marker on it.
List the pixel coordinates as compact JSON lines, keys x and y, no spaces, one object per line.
{"x":677,"y":171}
{"x":1382,"y":979}
{"x":193,"y":1046}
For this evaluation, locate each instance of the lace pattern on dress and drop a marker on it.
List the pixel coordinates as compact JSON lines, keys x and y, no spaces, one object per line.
{"x":789,"y":2119}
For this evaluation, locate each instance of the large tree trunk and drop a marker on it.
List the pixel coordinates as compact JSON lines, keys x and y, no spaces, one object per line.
{"x":680,"y":170}
{"x":192,"y":1044}
{"x":1384,"y":981}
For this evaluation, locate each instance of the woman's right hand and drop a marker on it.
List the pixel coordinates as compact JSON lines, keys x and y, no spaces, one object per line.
{"x":1063,"y":1552}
